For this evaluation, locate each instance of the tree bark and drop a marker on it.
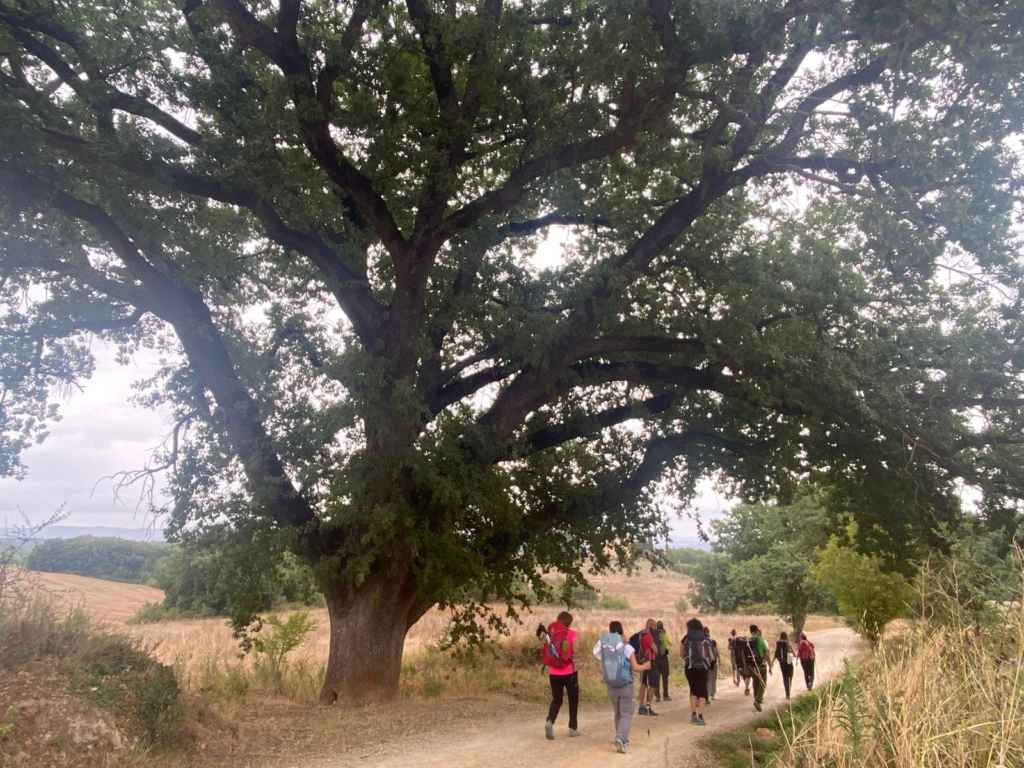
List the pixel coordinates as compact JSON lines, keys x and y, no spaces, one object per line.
{"x":368,"y":627}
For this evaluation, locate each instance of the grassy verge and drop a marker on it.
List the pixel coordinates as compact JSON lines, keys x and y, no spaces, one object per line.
{"x":758,"y":743}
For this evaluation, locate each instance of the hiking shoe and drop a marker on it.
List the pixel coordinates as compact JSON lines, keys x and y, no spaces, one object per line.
{"x":549,"y":730}
{"x":700,"y":720}
{"x":643,"y":710}
{"x":620,"y":747}
{"x":657,"y":699}
{"x":651,"y":712}
{"x":574,"y":731}
{"x":667,"y":697}
{"x":757,"y":705}
{"x":693,"y":717}
{"x":746,"y":692}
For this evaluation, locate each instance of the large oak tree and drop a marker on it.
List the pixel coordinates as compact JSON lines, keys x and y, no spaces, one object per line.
{"x":786,"y":248}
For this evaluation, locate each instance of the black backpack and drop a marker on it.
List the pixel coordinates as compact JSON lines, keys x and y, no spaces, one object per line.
{"x":636,"y":641}
{"x":745,"y":655}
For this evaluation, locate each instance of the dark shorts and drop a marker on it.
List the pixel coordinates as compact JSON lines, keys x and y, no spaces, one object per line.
{"x":650,"y":678}
{"x":698,"y":680}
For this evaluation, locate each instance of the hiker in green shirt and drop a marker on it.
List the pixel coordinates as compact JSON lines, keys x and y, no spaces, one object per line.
{"x":663,"y":644}
{"x":761,"y":671}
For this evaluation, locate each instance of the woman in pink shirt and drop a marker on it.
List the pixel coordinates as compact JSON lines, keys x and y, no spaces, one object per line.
{"x":557,"y":652}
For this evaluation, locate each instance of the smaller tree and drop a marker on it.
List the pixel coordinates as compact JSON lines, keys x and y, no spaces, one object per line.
{"x":868,"y":597}
{"x":763,"y":554}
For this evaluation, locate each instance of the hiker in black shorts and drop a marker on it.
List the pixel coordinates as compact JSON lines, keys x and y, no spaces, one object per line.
{"x":696,"y":654}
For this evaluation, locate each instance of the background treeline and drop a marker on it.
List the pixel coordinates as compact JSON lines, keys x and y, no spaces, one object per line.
{"x":135,"y":562}
{"x":197,"y":581}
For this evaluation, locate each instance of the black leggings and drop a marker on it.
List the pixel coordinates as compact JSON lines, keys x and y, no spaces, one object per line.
{"x":787,"y":676}
{"x":663,"y":671}
{"x":560,"y":684}
{"x":808,"y":665}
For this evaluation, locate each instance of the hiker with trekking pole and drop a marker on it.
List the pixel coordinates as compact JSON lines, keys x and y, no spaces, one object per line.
{"x":618,"y":665}
{"x":557,"y":647}
{"x":758,"y":649}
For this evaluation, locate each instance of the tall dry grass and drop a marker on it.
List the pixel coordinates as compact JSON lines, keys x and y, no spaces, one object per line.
{"x":944,"y":694}
{"x":206,"y":657}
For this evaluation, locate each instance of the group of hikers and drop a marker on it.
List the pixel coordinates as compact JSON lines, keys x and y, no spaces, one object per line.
{"x":647,"y":652}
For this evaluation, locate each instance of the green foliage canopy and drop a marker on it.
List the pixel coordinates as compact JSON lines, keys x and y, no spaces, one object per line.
{"x":789,"y":252}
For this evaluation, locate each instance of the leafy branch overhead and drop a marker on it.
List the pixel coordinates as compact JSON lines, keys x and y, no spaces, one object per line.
{"x":784,"y":240}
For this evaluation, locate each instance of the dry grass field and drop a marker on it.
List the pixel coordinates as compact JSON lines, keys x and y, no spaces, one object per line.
{"x":200,"y":649}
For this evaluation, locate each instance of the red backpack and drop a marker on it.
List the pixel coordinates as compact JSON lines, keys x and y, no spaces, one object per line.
{"x":557,"y":651}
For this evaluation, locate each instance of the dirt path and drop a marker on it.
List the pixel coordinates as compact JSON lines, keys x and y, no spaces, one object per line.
{"x":517,"y":740}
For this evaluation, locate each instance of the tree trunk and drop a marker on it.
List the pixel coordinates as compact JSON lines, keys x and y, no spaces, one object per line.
{"x":368,"y":628}
{"x":799,"y":621}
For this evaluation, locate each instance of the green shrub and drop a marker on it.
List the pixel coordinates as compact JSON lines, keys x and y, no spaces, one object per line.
{"x":156,"y":702}
{"x":613,"y":603}
{"x":272,"y":649}
{"x":868,"y":597}
{"x":682,"y":605}
{"x":153,"y":613}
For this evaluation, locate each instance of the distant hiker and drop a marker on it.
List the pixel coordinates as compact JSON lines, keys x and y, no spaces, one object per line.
{"x":784,"y":655}
{"x":664,"y":644}
{"x":697,"y":662}
{"x":557,"y":648}
{"x":646,"y":648}
{"x":715,"y":658}
{"x":734,"y":660}
{"x":618,"y":663}
{"x":805,"y":651}
{"x":760,"y":670}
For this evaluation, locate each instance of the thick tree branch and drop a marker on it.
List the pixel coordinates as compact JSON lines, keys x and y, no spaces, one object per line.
{"x":592,"y":424}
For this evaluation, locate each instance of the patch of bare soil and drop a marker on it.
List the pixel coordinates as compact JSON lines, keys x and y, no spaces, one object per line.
{"x":44,"y":725}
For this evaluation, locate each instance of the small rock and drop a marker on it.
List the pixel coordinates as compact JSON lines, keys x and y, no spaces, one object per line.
{"x":765,"y":734}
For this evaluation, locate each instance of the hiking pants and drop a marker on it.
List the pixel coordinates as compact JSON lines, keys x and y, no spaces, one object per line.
{"x":808,"y":665}
{"x":622,"y":707}
{"x":559,"y":685}
{"x":760,"y":675}
{"x":787,"y":676}
{"x":663,"y":671}
{"x":712,"y":682}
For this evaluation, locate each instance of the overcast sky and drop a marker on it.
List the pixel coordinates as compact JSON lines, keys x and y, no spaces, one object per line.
{"x":100,"y":434}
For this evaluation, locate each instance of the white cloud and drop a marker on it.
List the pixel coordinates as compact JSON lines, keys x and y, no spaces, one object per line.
{"x":101,"y":433}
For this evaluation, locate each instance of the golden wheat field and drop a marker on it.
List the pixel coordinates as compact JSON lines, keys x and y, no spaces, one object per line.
{"x":193,"y":646}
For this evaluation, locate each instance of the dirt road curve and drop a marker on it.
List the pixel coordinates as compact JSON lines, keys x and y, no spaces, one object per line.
{"x":518,"y":742}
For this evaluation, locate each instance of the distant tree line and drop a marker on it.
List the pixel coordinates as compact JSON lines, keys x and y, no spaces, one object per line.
{"x":101,"y":557}
{"x":196,"y":580}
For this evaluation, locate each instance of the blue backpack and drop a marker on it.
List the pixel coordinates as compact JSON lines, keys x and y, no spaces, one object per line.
{"x":615,"y":668}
